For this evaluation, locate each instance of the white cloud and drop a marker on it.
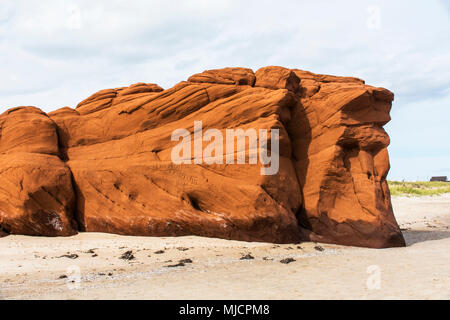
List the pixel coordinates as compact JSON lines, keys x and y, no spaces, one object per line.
{"x":111,"y":43}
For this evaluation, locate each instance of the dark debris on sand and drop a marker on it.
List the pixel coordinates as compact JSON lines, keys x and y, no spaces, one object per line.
{"x":287,"y":260}
{"x":319,"y":248}
{"x":181,"y":263}
{"x":127,"y":256}
{"x":70,"y":256}
{"x":248,"y":256}
{"x":186,"y":261}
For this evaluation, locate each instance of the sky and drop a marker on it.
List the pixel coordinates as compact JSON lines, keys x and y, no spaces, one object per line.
{"x":56,"y":53}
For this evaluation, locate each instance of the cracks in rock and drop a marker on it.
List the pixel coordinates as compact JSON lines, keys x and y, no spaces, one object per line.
{"x":156,"y":153}
{"x":271,"y":197}
{"x":73,"y":214}
{"x":298,"y":110}
{"x":61,"y":154}
{"x":158,"y":186}
{"x":347,"y":149}
{"x":181,"y":101}
{"x":53,"y":196}
{"x":77,"y":215}
{"x":215,"y":172}
{"x":101,"y":193}
{"x":131,"y":111}
{"x":302,"y":219}
{"x":193,"y":201}
{"x":207,"y":96}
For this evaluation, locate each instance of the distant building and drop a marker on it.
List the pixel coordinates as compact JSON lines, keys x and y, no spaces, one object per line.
{"x":440,"y":178}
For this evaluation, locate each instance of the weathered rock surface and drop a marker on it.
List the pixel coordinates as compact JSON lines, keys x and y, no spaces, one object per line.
{"x":106,"y":165}
{"x":36,"y":192}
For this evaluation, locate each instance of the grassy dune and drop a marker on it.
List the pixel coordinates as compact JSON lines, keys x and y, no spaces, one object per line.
{"x":427,"y":188}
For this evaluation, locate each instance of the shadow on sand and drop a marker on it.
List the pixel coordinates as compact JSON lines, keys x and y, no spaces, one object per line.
{"x":417,"y":236}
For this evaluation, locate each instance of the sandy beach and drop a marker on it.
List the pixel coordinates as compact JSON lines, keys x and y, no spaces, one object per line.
{"x":104,"y":266}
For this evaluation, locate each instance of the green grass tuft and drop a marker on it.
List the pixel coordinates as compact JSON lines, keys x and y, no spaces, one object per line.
{"x":425,"y":188}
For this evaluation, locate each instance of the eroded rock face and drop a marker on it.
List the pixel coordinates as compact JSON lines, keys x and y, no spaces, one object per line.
{"x":342,"y":162}
{"x":36,"y":192}
{"x":106,"y":165}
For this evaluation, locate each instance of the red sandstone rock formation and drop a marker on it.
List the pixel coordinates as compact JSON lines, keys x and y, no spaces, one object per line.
{"x":106,"y":165}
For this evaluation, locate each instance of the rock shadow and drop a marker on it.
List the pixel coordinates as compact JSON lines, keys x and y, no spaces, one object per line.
{"x":418,"y":236}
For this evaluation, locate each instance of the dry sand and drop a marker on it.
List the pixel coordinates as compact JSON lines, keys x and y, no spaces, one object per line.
{"x":35,"y":268}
